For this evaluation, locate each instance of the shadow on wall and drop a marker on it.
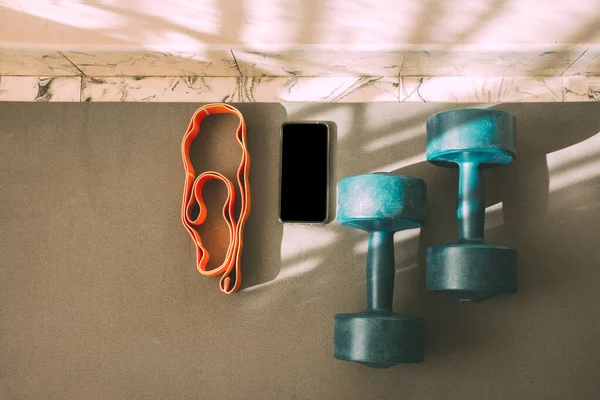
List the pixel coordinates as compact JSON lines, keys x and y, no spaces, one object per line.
{"x":228,"y":23}
{"x":311,"y":22}
{"x":13,"y":21}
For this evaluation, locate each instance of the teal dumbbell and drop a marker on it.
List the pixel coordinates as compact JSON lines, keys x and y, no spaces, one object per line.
{"x":471,"y":139}
{"x":380,"y":204}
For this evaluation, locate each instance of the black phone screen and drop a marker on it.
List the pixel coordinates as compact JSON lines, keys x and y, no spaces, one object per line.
{"x":304,"y":172}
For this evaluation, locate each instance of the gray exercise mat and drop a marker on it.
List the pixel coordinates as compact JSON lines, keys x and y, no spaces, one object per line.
{"x":100,"y":298}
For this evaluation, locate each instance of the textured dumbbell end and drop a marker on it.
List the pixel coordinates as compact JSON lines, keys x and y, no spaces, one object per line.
{"x":471,"y":134}
{"x":381,"y":202}
{"x":379,"y":340}
{"x":471,"y":272}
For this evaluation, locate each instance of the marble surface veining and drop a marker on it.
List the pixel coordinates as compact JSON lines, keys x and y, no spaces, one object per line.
{"x":332,"y":89}
{"x":202,"y":63}
{"x":581,"y":88}
{"x":166,"y":89}
{"x":347,"y":89}
{"x":481,"y":89}
{"x":540,"y":61}
{"x":317,"y":61}
{"x":318,"y":89}
{"x":321,"y":62}
{"x":588,"y":64}
{"x":35,"y":63}
{"x":31,"y":88}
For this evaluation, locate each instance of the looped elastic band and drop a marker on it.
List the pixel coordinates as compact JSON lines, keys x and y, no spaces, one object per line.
{"x":192,"y":196}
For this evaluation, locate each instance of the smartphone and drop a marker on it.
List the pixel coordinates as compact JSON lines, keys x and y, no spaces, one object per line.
{"x":304,"y":194}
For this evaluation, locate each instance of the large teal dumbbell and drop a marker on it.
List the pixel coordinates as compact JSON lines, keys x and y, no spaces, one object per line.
{"x":470,"y":269}
{"x":380,"y":204}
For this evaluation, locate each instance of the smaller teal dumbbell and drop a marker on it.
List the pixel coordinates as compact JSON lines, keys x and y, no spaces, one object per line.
{"x":471,"y":139}
{"x":380,"y":204}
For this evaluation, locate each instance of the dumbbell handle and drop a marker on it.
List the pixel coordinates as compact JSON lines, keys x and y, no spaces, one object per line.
{"x":470,"y":212}
{"x":380,"y":271}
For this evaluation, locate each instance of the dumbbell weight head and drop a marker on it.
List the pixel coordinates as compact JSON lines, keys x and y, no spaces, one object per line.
{"x":381,"y":201}
{"x":471,"y":271}
{"x":380,"y":204}
{"x":482,"y":135}
{"x":379,"y":340}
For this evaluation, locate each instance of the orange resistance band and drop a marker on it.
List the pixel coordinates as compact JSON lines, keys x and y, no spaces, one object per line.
{"x":192,"y":196}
